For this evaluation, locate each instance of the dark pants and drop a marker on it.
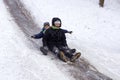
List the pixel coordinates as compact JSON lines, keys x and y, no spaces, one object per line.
{"x":65,"y":50}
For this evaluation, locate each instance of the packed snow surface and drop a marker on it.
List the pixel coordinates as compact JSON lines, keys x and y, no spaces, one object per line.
{"x":95,"y":30}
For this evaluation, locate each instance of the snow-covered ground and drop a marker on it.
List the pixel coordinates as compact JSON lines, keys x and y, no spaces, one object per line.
{"x":95,"y":30}
{"x":17,"y":61}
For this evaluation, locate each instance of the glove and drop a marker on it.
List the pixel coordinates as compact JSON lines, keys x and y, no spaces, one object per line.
{"x":45,"y":47}
{"x":32,"y":36}
{"x":70,"y":32}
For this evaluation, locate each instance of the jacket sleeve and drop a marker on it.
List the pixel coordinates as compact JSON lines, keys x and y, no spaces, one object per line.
{"x":64,"y":38}
{"x":65,"y":31}
{"x":39,"y":35}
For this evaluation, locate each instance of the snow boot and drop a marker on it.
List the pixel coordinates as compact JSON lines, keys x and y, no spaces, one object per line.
{"x":75,"y":57}
{"x":63,"y":57}
{"x":44,"y":51}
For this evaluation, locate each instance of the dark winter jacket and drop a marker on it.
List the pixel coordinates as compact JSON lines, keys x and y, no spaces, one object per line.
{"x":41,"y":34}
{"x":54,"y":37}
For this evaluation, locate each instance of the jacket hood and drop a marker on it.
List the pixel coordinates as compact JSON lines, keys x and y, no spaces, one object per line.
{"x":56,"y":19}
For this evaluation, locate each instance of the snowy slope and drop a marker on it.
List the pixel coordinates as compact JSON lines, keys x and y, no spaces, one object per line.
{"x":96,"y":30}
{"x":17,"y":61}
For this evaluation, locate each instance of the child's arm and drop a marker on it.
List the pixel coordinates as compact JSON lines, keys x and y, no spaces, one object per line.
{"x":38,"y":36}
{"x":66,"y":31}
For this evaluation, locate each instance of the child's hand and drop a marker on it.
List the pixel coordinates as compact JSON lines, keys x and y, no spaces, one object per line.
{"x":32,"y":36}
{"x":70,"y":32}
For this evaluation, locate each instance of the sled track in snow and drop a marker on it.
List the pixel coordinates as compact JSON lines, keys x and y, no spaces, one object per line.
{"x":81,"y":70}
{"x":23,"y":19}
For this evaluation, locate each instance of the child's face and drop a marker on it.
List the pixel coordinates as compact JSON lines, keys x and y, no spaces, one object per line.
{"x":46,"y":27}
{"x":57,"y":24}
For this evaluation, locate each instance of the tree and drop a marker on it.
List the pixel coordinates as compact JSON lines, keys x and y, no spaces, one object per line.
{"x":101,"y":3}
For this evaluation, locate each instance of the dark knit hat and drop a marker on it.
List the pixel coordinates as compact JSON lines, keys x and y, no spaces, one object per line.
{"x":56,"y":19}
{"x":46,"y":24}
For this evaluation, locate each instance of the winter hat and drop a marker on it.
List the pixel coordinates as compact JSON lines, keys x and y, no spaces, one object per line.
{"x":56,"y":20}
{"x":46,"y":24}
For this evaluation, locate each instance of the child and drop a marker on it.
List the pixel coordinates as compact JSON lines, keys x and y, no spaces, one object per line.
{"x":41,"y":34}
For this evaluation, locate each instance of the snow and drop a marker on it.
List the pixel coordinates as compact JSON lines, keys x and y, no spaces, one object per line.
{"x":96,"y":30}
{"x":95,"y":33}
{"x":17,"y":60}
